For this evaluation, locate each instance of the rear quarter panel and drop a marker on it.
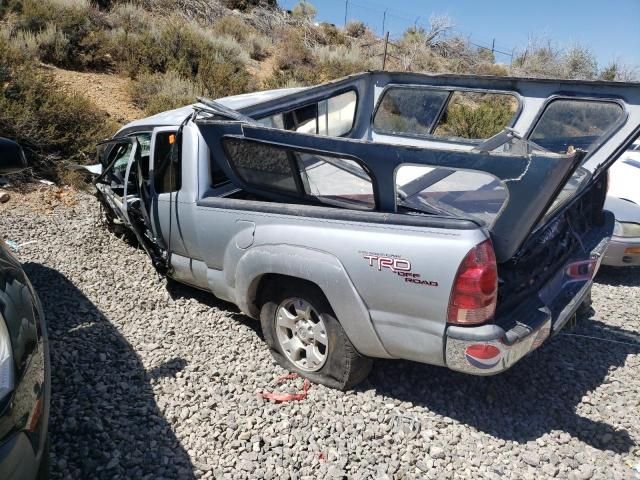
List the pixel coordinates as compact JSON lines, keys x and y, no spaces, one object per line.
{"x":408,"y":317}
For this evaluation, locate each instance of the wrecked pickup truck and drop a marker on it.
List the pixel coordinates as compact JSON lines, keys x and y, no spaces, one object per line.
{"x":451,"y":220}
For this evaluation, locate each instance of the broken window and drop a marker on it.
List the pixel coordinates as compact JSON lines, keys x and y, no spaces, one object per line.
{"x":167,"y":163}
{"x":462,"y":193}
{"x":569,"y":124}
{"x":476,"y":116}
{"x":327,"y":179}
{"x":409,"y":110}
{"x":333,"y":116}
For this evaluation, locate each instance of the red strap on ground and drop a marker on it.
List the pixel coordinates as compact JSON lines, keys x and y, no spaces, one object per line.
{"x":287,"y":397}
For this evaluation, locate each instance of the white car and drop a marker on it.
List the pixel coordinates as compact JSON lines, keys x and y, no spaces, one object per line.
{"x":623,"y":200}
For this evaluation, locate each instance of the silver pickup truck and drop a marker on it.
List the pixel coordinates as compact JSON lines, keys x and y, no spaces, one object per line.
{"x":451,"y":220}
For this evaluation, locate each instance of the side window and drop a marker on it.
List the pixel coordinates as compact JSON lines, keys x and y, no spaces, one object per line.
{"x":144,"y":140}
{"x":218,"y":177}
{"x":333,"y":117}
{"x":406,"y":110}
{"x":476,"y":116}
{"x":327,"y":179}
{"x":274,"y":121}
{"x":262,"y":165}
{"x":336,"y":181}
{"x":120,"y":153}
{"x":337,"y":114}
{"x":167,"y":163}
{"x":568,"y":124}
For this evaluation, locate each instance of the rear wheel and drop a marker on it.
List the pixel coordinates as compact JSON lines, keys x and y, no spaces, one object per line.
{"x":305,"y":337}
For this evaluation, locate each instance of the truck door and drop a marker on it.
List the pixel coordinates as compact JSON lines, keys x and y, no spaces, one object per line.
{"x":163,"y":189}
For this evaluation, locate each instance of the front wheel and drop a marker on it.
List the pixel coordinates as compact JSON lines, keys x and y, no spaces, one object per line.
{"x":305,"y":337}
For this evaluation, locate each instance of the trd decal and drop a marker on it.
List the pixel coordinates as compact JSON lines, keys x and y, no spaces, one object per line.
{"x":397,"y":265}
{"x":393,"y":264}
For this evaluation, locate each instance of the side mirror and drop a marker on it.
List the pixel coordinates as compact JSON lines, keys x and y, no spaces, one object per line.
{"x":12,"y":157}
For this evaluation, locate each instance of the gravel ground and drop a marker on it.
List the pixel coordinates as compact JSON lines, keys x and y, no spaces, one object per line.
{"x":157,"y":383}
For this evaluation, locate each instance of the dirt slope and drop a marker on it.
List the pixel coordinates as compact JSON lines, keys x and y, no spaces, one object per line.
{"x":108,"y":92}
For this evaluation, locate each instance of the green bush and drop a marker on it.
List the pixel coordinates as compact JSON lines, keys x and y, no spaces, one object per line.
{"x":235,"y":27}
{"x":157,"y":92}
{"x":477,"y":119}
{"x":221,"y":77}
{"x":336,"y":62}
{"x":78,"y":39}
{"x":53,"y":127}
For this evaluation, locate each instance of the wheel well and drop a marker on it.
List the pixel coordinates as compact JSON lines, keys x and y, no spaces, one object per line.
{"x":261,"y":287}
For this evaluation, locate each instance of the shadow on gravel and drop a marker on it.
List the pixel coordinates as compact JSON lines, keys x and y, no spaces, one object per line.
{"x":104,"y":419}
{"x":180,"y":290}
{"x":536,"y":396}
{"x":626,"y":277}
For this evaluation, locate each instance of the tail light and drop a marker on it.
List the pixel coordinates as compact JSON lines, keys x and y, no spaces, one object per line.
{"x":475,"y":289}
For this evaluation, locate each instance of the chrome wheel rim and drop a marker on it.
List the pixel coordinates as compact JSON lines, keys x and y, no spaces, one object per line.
{"x":302,"y":334}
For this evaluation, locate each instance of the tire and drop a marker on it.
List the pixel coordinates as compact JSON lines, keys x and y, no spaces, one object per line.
{"x":585,"y":309}
{"x":342,"y":366}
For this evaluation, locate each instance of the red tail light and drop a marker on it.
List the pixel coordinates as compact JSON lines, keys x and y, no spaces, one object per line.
{"x":475,"y":289}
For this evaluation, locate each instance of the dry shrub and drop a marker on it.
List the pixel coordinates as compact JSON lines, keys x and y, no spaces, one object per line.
{"x":331,"y":35}
{"x":491,"y":69}
{"x":51,"y":125}
{"x":336,"y":62}
{"x":259,"y":48}
{"x":479,"y":118}
{"x":73,"y":32}
{"x":356,"y":29}
{"x":220,"y":77}
{"x":157,"y":92}
{"x":235,"y":27}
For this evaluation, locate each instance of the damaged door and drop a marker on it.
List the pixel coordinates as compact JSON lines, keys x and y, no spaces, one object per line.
{"x":126,"y":186}
{"x":114,"y":183}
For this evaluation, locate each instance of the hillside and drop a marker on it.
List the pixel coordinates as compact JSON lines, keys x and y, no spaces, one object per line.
{"x":109,"y":93}
{"x":110,"y":62}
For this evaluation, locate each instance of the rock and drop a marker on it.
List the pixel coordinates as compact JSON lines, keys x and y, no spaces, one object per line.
{"x":531,"y":458}
{"x":436,"y":453}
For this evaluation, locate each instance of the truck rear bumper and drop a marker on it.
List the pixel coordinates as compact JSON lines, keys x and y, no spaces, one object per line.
{"x":485,"y":350}
{"x":493,"y":348}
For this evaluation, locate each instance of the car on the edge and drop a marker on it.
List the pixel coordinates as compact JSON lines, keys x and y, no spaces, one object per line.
{"x":623,"y":199}
{"x":25,"y":382}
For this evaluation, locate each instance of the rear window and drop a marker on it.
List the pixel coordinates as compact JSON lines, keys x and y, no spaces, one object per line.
{"x":405,"y":110}
{"x":328,"y":179}
{"x":476,"y":116}
{"x":443,"y":113}
{"x":569,"y":124}
{"x":330,"y":117}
